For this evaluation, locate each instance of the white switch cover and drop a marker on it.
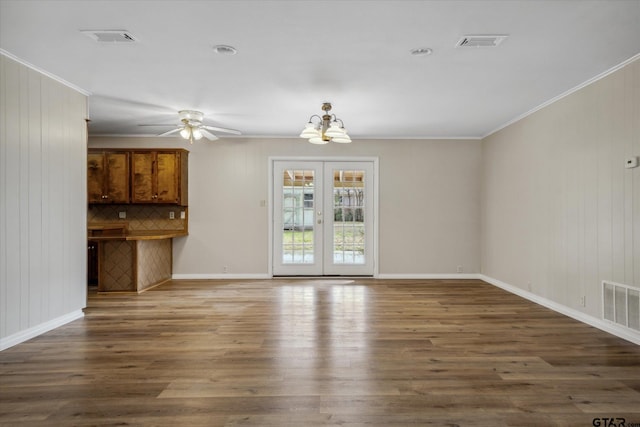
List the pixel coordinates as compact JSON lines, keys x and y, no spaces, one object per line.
{"x":122,"y":215}
{"x":631,"y":162}
{"x":183,"y":215}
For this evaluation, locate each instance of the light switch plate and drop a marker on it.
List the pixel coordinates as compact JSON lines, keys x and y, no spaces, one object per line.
{"x":122,"y":214}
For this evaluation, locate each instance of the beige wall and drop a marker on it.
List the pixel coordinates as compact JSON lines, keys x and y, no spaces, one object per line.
{"x":429,"y":202}
{"x":42,"y":202}
{"x":560,"y":213}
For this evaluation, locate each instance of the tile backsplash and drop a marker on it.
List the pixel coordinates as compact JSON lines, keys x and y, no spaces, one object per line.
{"x":140,"y":217}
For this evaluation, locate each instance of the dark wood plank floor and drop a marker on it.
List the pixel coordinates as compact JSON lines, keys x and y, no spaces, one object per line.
{"x":320,"y":352}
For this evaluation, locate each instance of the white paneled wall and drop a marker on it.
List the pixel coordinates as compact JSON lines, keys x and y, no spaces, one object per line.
{"x":560,"y":212}
{"x":42,"y":202}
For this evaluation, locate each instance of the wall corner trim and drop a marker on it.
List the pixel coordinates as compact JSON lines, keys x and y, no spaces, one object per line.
{"x":40,"y":329}
{"x":562,"y":309}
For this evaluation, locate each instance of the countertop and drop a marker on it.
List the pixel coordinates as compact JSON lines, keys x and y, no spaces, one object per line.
{"x":120,"y":232}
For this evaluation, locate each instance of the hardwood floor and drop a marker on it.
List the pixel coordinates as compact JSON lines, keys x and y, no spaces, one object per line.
{"x":320,"y":353}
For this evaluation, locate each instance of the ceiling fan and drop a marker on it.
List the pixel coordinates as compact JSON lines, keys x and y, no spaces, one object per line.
{"x":192,"y":128}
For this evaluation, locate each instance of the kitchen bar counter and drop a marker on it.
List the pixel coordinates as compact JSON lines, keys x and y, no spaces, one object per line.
{"x":132,"y":261}
{"x":141,"y":235}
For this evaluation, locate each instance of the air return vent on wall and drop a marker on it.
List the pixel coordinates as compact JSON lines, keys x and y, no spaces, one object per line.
{"x":481,"y":40}
{"x":110,"y":36}
{"x":621,"y":305}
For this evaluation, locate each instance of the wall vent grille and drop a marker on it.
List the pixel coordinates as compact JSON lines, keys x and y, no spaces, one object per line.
{"x":621,"y":305}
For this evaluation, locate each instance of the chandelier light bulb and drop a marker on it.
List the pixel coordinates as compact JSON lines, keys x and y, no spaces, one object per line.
{"x":334,"y":130}
{"x":318,"y":140}
{"x":309,"y":131}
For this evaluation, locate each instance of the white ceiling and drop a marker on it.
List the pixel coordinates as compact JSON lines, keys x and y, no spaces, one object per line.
{"x":294,"y":55}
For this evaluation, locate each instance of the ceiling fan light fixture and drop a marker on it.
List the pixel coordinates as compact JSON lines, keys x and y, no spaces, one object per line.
{"x":190,"y":115}
{"x":192,"y":128}
{"x":197,"y":133}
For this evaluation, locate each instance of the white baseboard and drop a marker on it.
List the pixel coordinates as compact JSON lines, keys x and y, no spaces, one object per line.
{"x":567,"y":311}
{"x":220,"y":276}
{"x":429,"y":276}
{"x":27,"y":334}
{"x":261,"y":276}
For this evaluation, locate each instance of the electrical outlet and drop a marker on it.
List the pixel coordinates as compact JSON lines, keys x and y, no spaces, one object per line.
{"x":183,"y":214}
{"x":122,"y":214}
{"x":459,"y":269}
{"x":583,"y":301}
{"x":529,"y":287}
{"x":225,"y":269}
{"x":172,"y":215}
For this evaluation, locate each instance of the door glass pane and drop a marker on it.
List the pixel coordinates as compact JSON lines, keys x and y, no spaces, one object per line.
{"x":298,"y":205}
{"x":348,"y":217}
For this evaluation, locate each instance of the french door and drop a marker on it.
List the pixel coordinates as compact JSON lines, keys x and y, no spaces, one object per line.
{"x":323,"y":218}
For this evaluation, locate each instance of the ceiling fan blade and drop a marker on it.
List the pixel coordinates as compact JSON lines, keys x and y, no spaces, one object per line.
{"x":225,"y":130}
{"x":157,"y":125}
{"x":208,"y":135}
{"x":170,"y":132}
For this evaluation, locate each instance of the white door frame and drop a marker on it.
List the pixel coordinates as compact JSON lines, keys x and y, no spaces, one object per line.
{"x":376,"y":186}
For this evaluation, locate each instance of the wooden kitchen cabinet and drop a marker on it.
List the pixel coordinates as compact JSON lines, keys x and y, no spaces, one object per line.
{"x":107,"y":177}
{"x":159,"y":176}
{"x":92,"y":262}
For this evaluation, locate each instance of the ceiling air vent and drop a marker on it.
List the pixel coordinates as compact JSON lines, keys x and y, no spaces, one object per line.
{"x":481,"y":40}
{"x":110,"y":36}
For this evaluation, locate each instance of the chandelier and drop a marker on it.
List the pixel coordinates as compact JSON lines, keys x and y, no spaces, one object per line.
{"x":325,"y":128}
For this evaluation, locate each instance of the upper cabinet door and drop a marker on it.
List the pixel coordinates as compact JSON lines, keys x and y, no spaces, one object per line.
{"x":167,"y":177}
{"x":117,"y":177}
{"x":159,"y":177}
{"x":95,"y":177}
{"x":108,"y":177}
{"x":143,"y":176}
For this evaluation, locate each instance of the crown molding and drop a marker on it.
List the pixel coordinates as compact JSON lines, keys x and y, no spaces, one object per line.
{"x":43,"y":72}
